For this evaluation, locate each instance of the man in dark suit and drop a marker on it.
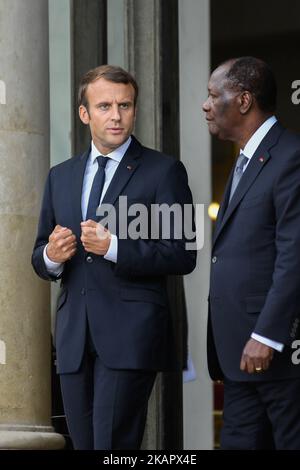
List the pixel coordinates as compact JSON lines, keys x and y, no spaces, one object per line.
{"x":254,"y":300}
{"x":113,"y":326}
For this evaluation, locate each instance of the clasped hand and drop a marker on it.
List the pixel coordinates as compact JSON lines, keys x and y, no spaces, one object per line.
{"x":62,"y":244}
{"x":94,"y":237}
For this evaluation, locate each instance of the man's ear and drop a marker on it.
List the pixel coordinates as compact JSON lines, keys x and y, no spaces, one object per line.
{"x":84,"y":114}
{"x":245,"y":101}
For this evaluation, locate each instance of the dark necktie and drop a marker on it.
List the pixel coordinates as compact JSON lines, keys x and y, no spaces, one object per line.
{"x":97,"y":188}
{"x":238,"y":173}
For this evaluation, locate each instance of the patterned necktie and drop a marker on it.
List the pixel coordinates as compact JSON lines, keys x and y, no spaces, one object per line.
{"x":97,"y":187}
{"x":238,"y":173}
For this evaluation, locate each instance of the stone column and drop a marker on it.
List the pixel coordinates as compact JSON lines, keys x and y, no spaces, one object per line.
{"x":151,"y":54}
{"x":194,"y":60}
{"x":25,"y":397}
{"x":142,"y":59}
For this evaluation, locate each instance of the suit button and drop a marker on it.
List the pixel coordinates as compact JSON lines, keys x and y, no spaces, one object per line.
{"x":214,"y":260}
{"x":82,"y":292}
{"x":89,"y":259}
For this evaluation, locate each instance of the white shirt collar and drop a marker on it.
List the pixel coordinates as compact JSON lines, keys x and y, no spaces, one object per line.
{"x":116,"y":154}
{"x":257,"y":137}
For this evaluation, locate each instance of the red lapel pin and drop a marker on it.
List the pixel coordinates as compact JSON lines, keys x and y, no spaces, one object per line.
{"x":261,"y":159}
{"x":129,"y":167}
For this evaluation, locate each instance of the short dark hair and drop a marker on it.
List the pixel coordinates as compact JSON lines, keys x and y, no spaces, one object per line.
{"x":254,"y":75}
{"x":112,"y":73}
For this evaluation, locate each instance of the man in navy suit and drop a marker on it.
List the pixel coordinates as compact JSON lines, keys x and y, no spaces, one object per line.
{"x":113,"y":325}
{"x":254,"y":300}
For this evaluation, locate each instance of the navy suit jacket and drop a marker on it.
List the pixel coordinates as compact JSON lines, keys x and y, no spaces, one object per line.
{"x":126,"y":303}
{"x":255,"y":270}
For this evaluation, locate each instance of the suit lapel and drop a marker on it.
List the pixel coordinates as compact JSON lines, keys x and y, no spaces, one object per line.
{"x":76,"y":191}
{"x":124,"y":172}
{"x":224,"y":203}
{"x":255,"y":166}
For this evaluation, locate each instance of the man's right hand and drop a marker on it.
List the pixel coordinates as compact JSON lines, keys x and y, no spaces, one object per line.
{"x":62,"y":245}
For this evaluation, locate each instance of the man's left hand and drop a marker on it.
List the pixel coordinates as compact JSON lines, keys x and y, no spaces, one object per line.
{"x":256,"y":357}
{"x":95,"y":238}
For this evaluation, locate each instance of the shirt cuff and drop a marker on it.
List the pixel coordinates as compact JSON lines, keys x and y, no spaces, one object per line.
{"x":268,"y":342}
{"x":112,"y":252}
{"x":189,"y":373}
{"x":52,"y":267}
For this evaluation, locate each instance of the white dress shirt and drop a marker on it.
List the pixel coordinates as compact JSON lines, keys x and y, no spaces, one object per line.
{"x":248,"y":151}
{"x":254,"y":141}
{"x":90,"y":170}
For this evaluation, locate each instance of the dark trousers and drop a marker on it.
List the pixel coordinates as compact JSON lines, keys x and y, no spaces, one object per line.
{"x":261,"y":415}
{"x":105,"y":408}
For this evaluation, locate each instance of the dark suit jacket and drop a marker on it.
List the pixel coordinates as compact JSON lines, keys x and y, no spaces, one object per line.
{"x":126,"y":303}
{"x":255,"y":271}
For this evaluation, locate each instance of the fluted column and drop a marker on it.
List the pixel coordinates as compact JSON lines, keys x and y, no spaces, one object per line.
{"x":194,"y":66}
{"x":150,"y":53}
{"x":25,"y":396}
{"x":142,"y":58}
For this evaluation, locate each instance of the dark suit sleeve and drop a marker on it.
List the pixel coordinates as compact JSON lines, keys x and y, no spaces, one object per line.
{"x":45,"y":227}
{"x":282,"y":304}
{"x":146,"y":257}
